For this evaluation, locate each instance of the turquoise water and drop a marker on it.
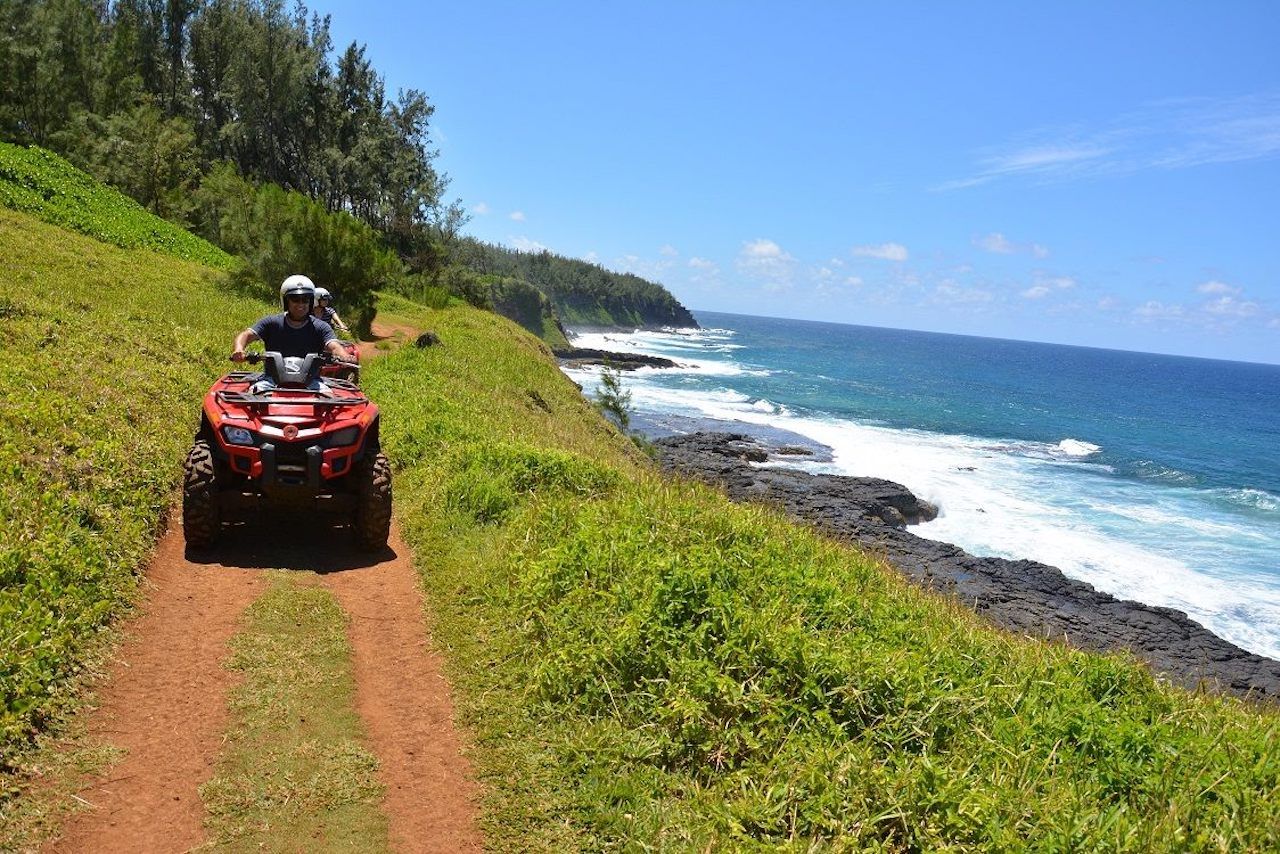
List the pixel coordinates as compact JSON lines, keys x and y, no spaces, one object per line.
{"x":1155,"y":478}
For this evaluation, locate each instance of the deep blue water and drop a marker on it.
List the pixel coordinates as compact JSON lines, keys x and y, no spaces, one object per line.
{"x":1198,"y":422}
{"x":1154,"y":477}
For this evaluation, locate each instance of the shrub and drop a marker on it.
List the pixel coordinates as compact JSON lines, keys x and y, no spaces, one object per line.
{"x":612,"y":399}
{"x":279,"y":233}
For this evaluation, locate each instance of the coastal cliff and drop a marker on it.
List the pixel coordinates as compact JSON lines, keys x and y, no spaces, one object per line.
{"x":1022,"y":596}
{"x":577,"y":293}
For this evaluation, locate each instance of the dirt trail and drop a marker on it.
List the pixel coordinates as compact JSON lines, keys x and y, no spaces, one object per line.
{"x":165,"y":701}
{"x":404,"y":701}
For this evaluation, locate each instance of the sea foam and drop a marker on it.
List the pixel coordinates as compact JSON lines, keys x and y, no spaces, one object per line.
{"x":1077,"y":448}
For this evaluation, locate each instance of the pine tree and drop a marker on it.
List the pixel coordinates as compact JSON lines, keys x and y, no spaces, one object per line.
{"x":612,"y":399}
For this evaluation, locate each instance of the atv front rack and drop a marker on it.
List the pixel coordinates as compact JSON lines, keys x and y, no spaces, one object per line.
{"x":244,"y":398}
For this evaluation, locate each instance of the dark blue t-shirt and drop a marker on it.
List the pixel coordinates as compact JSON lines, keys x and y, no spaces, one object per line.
{"x":278,"y":336}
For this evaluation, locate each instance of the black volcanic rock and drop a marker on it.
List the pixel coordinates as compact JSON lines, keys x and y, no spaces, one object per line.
{"x":722,"y":458}
{"x":1022,"y":596}
{"x":576,"y":357}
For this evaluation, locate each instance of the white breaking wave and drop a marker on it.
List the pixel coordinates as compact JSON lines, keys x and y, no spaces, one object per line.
{"x":657,"y":343}
{"x":1077,"y":448}
{"x":1255,"y":499}
{"x":670,"y":346}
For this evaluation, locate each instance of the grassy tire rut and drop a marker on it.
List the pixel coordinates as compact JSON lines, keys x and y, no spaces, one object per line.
{"x":295,"y":772}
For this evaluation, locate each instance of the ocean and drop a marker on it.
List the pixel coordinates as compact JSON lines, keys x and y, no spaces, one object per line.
{"x":1154,"y":478}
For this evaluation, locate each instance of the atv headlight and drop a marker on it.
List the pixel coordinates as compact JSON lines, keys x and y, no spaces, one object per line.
{"x":345,"y":436}
{"x":237,"y":435}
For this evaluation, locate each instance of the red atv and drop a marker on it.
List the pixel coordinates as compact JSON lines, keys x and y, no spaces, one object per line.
{"x":285,"y":437}
{"x":345,"y":370}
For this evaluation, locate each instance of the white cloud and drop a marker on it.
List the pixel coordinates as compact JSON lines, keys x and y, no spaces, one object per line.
{"x":948,"y":291}
{"x":1167,"y":134}
{"x":591,"y":257}
{"x":1108,"y":303}
{"x":480,"y":208}
{"x":653,"y":269}
{"x":763,"y":249}
{"x":524,"y":244}
{"x":1215,"y":287}
{"x":669,"y":251}
{"x":1156,"y":310}
{"x":1228,"y":306}
{"x":704,"y":271}
{"x":764,"y":259}
{"x":995,"y":242}
{"x":518,"y":216}
{"x":1043,"y":284}
{"x":883,"y":251}
{"x":1045,"y":158}
{"x":854,"y":281}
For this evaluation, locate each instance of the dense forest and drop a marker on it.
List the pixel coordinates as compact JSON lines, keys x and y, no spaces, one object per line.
{"x":239,"y":120}
{"x":152,"y":94}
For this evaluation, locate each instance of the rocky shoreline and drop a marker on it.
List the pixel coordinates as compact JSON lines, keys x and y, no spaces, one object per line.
{"x":1023,"y":596}
{"x":576,"y":357}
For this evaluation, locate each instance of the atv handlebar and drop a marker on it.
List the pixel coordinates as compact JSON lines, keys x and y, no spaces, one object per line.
{"x":255,"y":356}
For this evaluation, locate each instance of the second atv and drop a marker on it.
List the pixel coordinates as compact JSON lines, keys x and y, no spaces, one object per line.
{"x":287,"y":437}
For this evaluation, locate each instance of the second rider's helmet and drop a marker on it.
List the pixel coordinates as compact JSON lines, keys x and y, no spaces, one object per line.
{"x":323,"y":294}
{"x":297,"y":285}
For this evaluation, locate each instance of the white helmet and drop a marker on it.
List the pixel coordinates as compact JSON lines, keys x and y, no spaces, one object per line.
{"x":323,"y":293}
{"x":297,"y":285}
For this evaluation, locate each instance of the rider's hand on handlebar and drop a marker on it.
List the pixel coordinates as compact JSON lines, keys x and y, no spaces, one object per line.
{"x":237,"y":356}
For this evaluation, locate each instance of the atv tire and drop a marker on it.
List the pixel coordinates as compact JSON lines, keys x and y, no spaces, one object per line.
{"x":373,"y":502}
{"x":201,"y":521}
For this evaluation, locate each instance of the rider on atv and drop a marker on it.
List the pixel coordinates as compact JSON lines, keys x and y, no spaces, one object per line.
{"x":295,"y":332}
{"x":325,"y":311}
{"x":288,"y":437}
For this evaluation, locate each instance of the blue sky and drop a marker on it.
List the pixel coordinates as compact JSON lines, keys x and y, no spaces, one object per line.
{"x":1096,"y":173}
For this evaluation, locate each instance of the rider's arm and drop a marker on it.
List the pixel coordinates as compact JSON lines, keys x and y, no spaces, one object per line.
{"x":244,"y":339}
{"x":334,"y":348}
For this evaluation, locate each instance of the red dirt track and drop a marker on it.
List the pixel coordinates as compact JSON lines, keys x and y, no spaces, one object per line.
{"x":165,"y":699}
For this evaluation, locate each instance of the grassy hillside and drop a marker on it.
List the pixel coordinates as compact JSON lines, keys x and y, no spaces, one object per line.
{"x":649,"y":667}
{"x":642,"y":664}
{"x":107,"y":354}
{"x":41,"y":183}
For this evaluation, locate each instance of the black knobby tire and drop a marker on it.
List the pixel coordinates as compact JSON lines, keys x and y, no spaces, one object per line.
{"x":373,"y":502}
{"x":201,"y":520}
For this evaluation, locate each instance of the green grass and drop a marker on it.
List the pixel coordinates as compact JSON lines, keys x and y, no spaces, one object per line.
{"x":108,"y":353}
{"x":295,"y":774}
{"x":61,"y":767}
{"x":647,"y":667}
{"x":41,"y":183}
